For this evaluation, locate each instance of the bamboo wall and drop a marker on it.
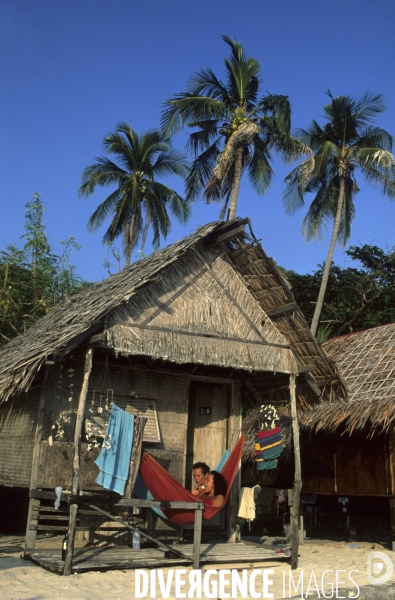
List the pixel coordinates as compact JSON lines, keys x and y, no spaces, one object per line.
{"x":347,"y":465}
{"x":17,"y":430}
{"x":170,"y":393}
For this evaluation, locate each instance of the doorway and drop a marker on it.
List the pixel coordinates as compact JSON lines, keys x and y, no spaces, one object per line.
{"x":207,"y":434}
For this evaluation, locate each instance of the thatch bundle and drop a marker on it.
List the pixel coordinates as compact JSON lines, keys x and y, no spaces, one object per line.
{"x":366,"y":362}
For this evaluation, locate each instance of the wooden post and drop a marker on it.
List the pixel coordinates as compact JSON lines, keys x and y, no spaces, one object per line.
{"x":34,"y":503}
{"x":197,"y":534}
{"x":392,"y":516}
{"x":298,"y":476}
{"x":234,"y":431}
{"x":76,"y":460}
{"x":391,"y":465}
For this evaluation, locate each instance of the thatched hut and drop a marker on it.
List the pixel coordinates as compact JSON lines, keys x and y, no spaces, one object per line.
{"x":351,"y":450}
{"x":206,"y":323}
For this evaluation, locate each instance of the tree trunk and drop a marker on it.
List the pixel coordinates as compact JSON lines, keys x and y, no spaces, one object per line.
{"x":129,"y":239}
{"x":297,"y":476}
{"x":236,"y":183}
{"x":328,"y":262}
{"x":128,"y":253}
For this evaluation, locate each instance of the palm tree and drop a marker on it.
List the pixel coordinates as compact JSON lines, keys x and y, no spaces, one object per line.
{"x":139,"y":200}
{"x":236,"y":129}
{"x":346,"y":143}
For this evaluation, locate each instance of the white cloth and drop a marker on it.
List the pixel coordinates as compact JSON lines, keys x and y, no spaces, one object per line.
{"x":246,"y":504}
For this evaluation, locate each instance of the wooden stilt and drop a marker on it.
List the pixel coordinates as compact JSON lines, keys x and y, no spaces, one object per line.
{"x":392,"y":516}
{"x":76,"y":460}
{"x":234,"y":431}
{"x":34,"y":504}
{"x":197,"y":534}
{"x":298,"y":476}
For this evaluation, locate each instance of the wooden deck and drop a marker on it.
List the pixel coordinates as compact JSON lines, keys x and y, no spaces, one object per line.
{"x":104,"y":558}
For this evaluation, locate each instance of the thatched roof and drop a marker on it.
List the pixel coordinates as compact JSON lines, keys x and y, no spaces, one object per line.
{"x":366,"y":361}
{"x":100,"y":308}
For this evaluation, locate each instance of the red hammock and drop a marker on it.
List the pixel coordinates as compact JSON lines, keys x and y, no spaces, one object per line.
{"x":164,"y":487}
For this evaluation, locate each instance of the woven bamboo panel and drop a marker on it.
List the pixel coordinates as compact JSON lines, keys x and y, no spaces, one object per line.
{"x":17,"y":430}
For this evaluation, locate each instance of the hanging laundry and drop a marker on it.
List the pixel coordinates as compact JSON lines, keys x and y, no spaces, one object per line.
{"x":114,"y":458}
{"x":135,"y":456}
{"x":268,"y":447}
{"x":246,"y":504}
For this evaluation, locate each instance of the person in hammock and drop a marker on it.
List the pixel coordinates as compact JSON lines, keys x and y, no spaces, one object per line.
{"x":200,"y":472}
{"x":216,"y":488}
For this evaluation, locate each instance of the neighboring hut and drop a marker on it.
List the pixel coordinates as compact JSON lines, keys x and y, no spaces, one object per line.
{"x":186,"y":337}
{"x":352,"y":450}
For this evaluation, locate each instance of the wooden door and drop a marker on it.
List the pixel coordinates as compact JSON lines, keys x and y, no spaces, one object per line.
{"x":207,"y":435}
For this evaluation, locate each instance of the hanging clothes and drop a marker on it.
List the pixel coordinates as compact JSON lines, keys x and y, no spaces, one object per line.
{"x":268,"y":447}
{"x":114,"y":458}
{"x":246,"y":508}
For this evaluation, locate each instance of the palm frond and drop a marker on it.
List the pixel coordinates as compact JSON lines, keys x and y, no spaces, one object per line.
{"x":200,"y":172}
{"x":170,"y":163}
{"x":205,"y":83}
{"x":375,"y":137}
{"x":187,"y":108}
{"x":280,"y":107}
{"x":297,"y":181}
{"x":260,"y":171}
{"x":379,"y":177}
{"x":103,"y":173}
{"x":200,"y":140}
{"x":179,"y":207}
{"x":104,"y":210}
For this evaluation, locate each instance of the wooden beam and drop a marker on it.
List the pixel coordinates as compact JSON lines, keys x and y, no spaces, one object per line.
{"x":278,"y":310}
{"x":142,"y":533}
{"x":233,"y":434}
{"x":322,"y":382}
{"x":74,"y":342}
{"x":224,"y":236}
{"x":209,"y":379}
{"x":212,"y":238}
{"x":298,"y":475}
{"x":99,"y":337}
{"x":137,"y":502}
{"x":34,"y":503}
{"x":312,"y":383}
{"x":41,"y":494}
{"x":306,"y":368}
{"x":76,"y":461}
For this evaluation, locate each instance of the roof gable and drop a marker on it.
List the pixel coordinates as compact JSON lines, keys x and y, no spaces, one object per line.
{"x":200,"y":311}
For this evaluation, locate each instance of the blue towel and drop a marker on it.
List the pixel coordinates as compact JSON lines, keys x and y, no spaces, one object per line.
{"x":222,"y":462}
{"x":114,"y":458}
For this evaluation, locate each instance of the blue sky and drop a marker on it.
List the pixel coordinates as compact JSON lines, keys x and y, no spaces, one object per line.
{"x":70,"y":71}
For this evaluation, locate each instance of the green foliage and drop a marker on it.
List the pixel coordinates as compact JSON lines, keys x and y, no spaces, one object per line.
{"x":34,"y":279}
{"x":235,"y":129}
{"x":139,"y":201}
{"x":348,"y":143}
{"x":356,"y":298}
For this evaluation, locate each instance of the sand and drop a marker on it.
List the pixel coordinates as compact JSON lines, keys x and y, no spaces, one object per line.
{"x":22,"y":579}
